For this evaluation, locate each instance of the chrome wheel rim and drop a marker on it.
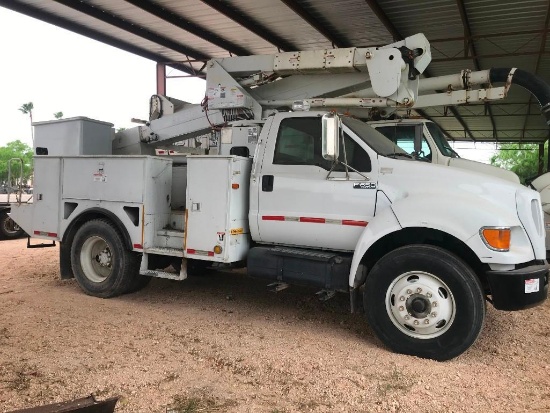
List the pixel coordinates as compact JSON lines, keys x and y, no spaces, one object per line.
{"x":420,"y":305}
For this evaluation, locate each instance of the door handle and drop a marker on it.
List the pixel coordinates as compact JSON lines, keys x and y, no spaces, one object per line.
{"x":267,"y":183}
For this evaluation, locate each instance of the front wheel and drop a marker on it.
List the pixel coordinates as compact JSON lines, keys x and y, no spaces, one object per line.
{"x":424,"y":301}
{"x":8,"y":228}
{"x":102,"y":265}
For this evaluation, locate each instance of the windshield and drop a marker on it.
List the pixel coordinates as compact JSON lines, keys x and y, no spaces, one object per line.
{"x":441,"y":141}
{"x":382,"y":145}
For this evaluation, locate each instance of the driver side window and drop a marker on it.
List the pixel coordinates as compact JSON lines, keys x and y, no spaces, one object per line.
{"x":299,"y":143}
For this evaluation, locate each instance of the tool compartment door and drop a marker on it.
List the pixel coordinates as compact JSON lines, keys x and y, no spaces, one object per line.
{"x":217,"y":208}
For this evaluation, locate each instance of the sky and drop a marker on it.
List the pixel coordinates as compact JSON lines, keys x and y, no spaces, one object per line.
{"x":60,"y":71}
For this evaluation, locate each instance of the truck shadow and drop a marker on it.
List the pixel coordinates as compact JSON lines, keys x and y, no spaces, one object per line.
{"x":237,"y":294}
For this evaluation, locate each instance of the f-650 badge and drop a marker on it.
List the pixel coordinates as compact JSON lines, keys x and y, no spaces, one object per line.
{"x":364,"y":185}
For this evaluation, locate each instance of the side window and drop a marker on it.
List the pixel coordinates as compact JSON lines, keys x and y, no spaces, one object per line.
{"x":299,"y":143}
{"x":403,"y":136}
{"x":356,"y":156}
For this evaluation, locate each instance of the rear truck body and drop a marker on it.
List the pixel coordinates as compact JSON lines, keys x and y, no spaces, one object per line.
{"x":323,"y":201}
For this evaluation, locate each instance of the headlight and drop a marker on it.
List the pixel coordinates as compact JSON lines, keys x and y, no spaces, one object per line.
{"x":496,"y":238}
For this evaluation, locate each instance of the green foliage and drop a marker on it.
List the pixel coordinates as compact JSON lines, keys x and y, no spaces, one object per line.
{"x":27,"y":108}
{"x":520,"y":159}
{"x":15,"y":149}
{"x":58,"y":115}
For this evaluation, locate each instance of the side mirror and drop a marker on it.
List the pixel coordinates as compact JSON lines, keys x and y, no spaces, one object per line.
{"x":331,"y":136}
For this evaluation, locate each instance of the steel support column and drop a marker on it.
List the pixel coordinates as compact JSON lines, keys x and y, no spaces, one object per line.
{"x":161,"y":79}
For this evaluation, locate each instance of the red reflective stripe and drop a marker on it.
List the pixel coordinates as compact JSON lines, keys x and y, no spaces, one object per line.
{"x":273,"y":217}
{"x":45,"y":234}
{"x":314,"y":220}
{"x":138,"y":246}
{"x":354,"y":223}
{"x":210,"y":253}
{"x":190,"y":251}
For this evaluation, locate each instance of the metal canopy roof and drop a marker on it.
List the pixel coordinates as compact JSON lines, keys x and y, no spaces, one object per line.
{"x":464,"y":34}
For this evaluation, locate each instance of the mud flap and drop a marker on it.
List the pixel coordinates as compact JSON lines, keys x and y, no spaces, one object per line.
{"x":84,"y":405}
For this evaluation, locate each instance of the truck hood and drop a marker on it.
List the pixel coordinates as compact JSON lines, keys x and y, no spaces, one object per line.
{"x":483,"y":168}
{"x":462,"y":200}
{"x":402,"y":179}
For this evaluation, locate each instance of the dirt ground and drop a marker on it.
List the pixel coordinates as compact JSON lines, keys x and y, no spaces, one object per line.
{"x":222,"y":342}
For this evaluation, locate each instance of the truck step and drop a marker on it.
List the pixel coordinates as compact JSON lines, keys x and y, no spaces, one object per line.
{"x":170,"y":233}
{"x":325,"y":295}
{"x":173,"y":252}
{"x":277,"y":286}
{"x":182,"y":275}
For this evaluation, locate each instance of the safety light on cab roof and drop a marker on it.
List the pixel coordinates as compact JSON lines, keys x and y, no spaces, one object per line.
{"x":496,"y":238}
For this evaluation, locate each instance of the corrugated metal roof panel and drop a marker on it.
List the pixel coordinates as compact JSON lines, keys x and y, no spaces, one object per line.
{"x":494,"y":25}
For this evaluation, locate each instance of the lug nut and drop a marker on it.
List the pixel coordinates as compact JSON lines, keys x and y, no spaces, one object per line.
{"x":407,"y":317}
{"x":401,"y":298}
{"x":401,"y":308}
{"x":429,"y":295}
{"x":434,"y":304}
{"x":419,"y":290}
{"x":426,"y":321}
{"x":434,"y":314}
{"x":409,"y":291}
{"x":416,"y":322}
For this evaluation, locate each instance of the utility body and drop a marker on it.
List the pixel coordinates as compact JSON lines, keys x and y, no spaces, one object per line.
{"x":298,"y":195}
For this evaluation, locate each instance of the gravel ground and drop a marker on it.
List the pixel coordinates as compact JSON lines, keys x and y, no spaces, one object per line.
{"x":223,"y":343}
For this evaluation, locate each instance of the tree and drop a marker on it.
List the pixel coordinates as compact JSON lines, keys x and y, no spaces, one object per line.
{"x":58,"y":115}
{"x":26,"y":108}
{"x":522,"y":159}
{"x":15,"y":149}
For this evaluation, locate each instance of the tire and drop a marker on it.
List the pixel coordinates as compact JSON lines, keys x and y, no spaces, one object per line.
{"x":8,"y":228}
{"x":101,"y":264}
{"x":400,"y":298}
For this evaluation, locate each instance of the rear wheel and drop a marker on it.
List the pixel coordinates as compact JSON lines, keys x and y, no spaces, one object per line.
{"x":8,"y":228}
{"x":424,"y":301}
{"x":102,"y":265}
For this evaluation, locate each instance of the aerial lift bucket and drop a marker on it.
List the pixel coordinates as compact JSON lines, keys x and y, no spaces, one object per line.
{"x":84,"y":405}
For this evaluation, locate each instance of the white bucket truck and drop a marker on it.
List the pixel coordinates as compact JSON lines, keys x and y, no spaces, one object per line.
{"x":298,"y":197}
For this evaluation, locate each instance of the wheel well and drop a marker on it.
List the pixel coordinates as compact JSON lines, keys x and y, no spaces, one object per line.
{"x":415,"y":235}
{"x":65,"y":265}
{"x":96,"y":213}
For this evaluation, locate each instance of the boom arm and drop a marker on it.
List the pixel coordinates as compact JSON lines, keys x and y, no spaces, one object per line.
{"x":251,"y":87}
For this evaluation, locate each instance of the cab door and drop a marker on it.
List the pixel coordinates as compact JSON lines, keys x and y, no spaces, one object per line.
{"x":299,"y":203}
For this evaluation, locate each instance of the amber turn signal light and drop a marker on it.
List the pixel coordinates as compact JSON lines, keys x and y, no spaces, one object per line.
{"x":497,"y":239}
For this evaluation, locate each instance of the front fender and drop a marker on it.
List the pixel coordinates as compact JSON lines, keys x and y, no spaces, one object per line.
{"x":463,"y":217}
{"x":383,"y":223}
{"x":460,"y":217}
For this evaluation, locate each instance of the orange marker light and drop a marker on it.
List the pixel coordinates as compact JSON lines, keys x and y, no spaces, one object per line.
{"x":235,"y":186}
{"x":497,"y":239}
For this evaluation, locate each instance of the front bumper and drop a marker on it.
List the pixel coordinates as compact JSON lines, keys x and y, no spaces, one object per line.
{"x":519,"y":289}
